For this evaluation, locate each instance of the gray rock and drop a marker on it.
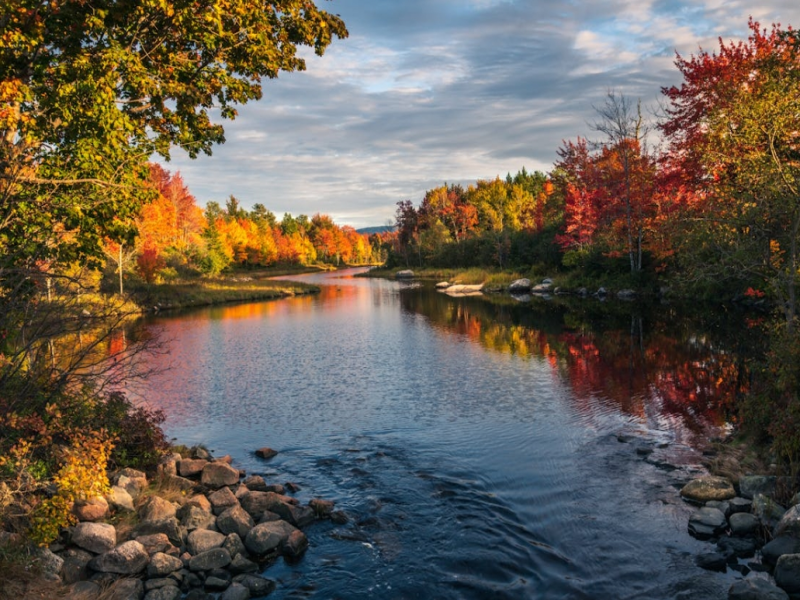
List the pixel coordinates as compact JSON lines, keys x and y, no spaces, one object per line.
{"x":744,"y":524}
{"x":787,"y":573}
{"x":94,"y":537}
{"x":169,"y":527}
{"x":267,"y":537}
{"x":235,"y":520}
{"x":198,"y":595}
{"x":239,"y":564}
{"x":707,"y":523}
{"x":234,"y":544}
{"x":133,"y":481}
{"x":712,"y":561}
{"x":541,"y":288}
{"x":738,"y":547}
{"x":779,"y":546}
{"x":258,"y":586}
{"x":119,"y":499}
{"x":156,"y":508}
{"x":161,"y":582}
{"x":767,"y":510}
{"x":222,"y":500}
{"x":216,"y":584}
{"x":84,"y":590}
{"x":236,"y":591}
{"x":191,"y":467}
{"x":626,"y":294}
{"x":217,"y":558}
{"x":129,"y":558}
{"x":164,"y":593}
{"x":703,"y":489}
{"x":163,"y":564}
{"x":180,"y":483}
{"x":722,"y":505}
{"x":217,"y":475}
{"x":203,"y":540}
{"x":405,"y":274}
{"x":50,"y":563}
{"x":789,"y":523}
{"x":168,"y":465}
{"x":296,"y":544}
{"x":740,"y":505}
{"x":752,"y":485}
{"x":75,"y":566}
{"x":157,"y":542}
{"x":193,"y":517}
{"x":256,"y":483}
{"x":520,"y":286}
{"x":754,"y":588}
{"x":199,"y":452}
{"x":126,"y":589}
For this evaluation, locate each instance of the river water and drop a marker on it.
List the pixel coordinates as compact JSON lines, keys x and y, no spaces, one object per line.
{"x":481,"y":450}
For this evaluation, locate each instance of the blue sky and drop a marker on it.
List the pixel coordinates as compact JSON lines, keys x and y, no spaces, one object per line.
{"x":428,"y":91}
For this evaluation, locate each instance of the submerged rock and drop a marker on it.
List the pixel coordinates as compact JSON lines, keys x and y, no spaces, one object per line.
{"x":707,"y":523}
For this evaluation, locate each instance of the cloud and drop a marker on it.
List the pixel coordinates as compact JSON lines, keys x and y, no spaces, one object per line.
{"x":428,"y":91}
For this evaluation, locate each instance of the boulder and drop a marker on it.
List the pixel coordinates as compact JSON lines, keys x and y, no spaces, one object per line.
{"x":193,"y":517}
{"x":133,"y":481}
{"x":779,"y":546}
{"x":93,"y":509}
{"x":226,"y":459}
{"x":84,"y":590}
{"x":126,"y":589}
{"x":405,"y":274}
{"x":268,"y":537}
{"x":236,"y":591}
{"x":162,"y":565}
{"x":75,"y":565}
{"x":767,"y":510}
{"x":156,"y":542}
{"x":165,"y":593}
{"x":222,"y":500}
{"x":740,"y":505}
{"x":520,"y":286}
{"x":703,"y":489}
{"x":199,"y":452}
{"x":180,"y":483}
{"x":255,"y":483}
{"x":789,"y":523}
{"x":94,"y":537}
{"x":218,"y":558}
{"x":462,"y":289}
{"x":744,"y":524}
{"x":322,"y":508}
{"x":159,"y":583}
{"x":200,"y":501}
{"x":203,"y":540}
{"x":752,"y":485}
{"x":191,"y":467}
{"x":235,"y":520}
{"x":217,"y":475}
{"x":156,"y":508}
{"x":266,"y":453}
{"x":738,"y":547}
{"x":168,"y":465}
{"x":296,"y":544}
{"x":129,"y":558}
{"x":234,"y":545}
{"x":442,"y":285}
{"x":258,"y":586}
{"x":49,"y":563}
{"x":541,"y":288}
{"x":756,"y":589}
{"x":169,"y":527}
{"x":722,"y":505}
{"x":707,"y":523}
{"x":712,"y":561}
{"x":214,"y":583}
{"x":787,"y":573}
{"x":239,"y":564}
{"x":119,"y":499}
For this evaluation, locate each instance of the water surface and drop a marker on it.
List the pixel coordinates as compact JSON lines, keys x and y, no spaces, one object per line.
{"x":482,"y":450}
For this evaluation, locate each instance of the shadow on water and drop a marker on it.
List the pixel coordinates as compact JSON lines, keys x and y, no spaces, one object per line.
{"x":481,"y":449}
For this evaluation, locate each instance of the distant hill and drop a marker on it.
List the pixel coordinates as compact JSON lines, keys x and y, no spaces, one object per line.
{"x":378,"y":229}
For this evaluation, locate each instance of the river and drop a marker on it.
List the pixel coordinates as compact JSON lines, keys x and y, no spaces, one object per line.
{"x":482,"y":450}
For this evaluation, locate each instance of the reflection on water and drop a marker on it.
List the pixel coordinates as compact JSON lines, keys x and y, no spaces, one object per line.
{"x":474,"y":444}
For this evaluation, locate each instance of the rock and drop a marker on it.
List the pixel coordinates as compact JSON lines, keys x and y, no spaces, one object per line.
{"x":722,"y":505}
{"x":235,"y":520}
{"x":129,"y":558}
{"x":75,"y":565}
{"x":216,"y":558}
{"x":738,"y":547}
{"x":203,"y":540}
{"x":292,"y":487}
{"x":406,"y":274}
{"x":234,"y":545}
{"x":236,"y":591}
{"x":255,"y":483}
{"x":520,"y":286}
{"x":119,"y":499}
{"x":258,"y":586}
{"x":266,"y":453}
{"x":267,"y":537}
{"x":707,"y":523}
{"x":157,"y":542}
{"x":740,"y":505}
{"x":133,"y":481}
{"x":200,"y":501}
{"x":191,"y":467}
{"x":163,"y":564}
{"x":222,"y":500}
{"x":339,"y":517}
{"x":767,"y":510}
{"x":180,"y":483}
{"x":462,"y":289}
{"x":787,"y":573}
{"x":268,"y":516}
{"x":226,"y":459}
{"x":601,"y":292}
{"x":156,"y":508}
{"x":752,"y":485}
{"x":779,"y":546}
{"x":198,"y":595}
{"x":755,"y":589}
{"x":296,"y":544}
{"x":322,"y":508}
{"x":703,"y":489}
{"x":168,"y":465}
{"x":744,"y":524}
{"x":217,"y":475}
{"x":126,"y":589}
{"x":215,"y":584}
{"x":94,"y":509}
{"x":789,"y":523}
{"x":49,"y":563}
{"x":582,"y":292}
{"x":626,"y":294}
{"x":193,"y":517}
{"x":239,"y":564}
{"x":84,"y":590}
{"x":159,"y":582}
{"x":442,"y":285}
{"x":164,"y":593}
{"x":712,"y":561}
{"x":94,"y":537}
{"x":199,"y":452}
{"x":169,"y":527}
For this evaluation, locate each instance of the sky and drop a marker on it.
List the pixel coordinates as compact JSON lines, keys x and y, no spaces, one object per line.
{"x":425,"y":92}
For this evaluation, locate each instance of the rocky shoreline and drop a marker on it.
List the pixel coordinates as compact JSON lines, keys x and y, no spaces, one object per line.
{"x":751,"y":533}
{"x":198,"y":529}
